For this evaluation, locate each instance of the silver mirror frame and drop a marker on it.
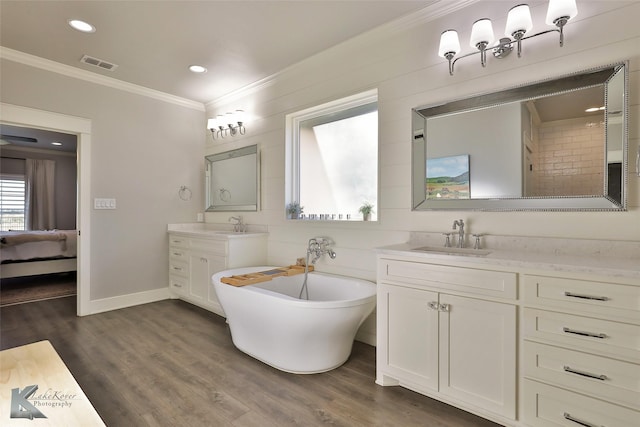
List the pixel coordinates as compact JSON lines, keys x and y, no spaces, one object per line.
{"x":220,"y":194}
{"x":562,"y":84}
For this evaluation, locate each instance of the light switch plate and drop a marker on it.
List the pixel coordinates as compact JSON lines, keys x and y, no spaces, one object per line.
{"x":104,"y":203}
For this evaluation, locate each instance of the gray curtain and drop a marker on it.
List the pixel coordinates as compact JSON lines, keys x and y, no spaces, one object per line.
{"x":40,"y":194}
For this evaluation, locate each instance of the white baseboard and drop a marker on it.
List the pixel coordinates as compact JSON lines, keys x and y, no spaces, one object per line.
{"x":124,"y":301}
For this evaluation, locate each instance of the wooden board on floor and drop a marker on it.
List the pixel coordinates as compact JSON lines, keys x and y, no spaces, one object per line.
{"x":35,"y":384}
{"x":264,"y":276}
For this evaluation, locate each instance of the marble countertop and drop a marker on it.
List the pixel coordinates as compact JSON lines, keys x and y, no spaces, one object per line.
{"x":214,"y":231}
{"x":595,"y":259}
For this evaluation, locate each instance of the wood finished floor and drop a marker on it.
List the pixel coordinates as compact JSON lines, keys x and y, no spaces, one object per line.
{"x":172,"y":364}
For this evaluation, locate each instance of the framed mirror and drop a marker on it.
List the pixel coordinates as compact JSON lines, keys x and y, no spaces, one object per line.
{"x":559,"y":144}
{"x":232,"y":180}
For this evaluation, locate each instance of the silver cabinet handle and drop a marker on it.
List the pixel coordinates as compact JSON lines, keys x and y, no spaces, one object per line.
{"x":584,"y":374}
{"x":433,"y":305}
{"x":591,"y":297}
{"x":584,"y":333}
{"x":568,"y":416}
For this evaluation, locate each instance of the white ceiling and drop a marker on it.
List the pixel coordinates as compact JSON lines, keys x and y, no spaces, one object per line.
{"x":154,"y":42}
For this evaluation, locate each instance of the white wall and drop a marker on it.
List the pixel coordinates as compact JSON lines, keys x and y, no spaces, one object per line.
{"x":403,"y":64}
{"x":142,"y":151}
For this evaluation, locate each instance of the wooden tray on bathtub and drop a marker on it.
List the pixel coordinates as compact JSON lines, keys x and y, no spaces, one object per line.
{"x":264,"y":276}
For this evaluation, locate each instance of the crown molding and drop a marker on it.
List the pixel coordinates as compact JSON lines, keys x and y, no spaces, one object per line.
{"x":78,"y":73}
{"x":437,"y":9}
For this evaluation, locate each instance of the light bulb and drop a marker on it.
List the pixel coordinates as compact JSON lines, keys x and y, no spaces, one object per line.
{"x":518,"y":21}
{"x":559,"y":9}
{"x":449,"y":43}
{"x":481,"y":33}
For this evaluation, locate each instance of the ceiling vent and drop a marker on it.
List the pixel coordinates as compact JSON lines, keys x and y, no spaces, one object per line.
{"x":98,"y":63}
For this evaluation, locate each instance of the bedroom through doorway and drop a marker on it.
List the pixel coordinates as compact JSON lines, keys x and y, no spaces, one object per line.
{"x":38,"y":224}
{"x":26,"y":117}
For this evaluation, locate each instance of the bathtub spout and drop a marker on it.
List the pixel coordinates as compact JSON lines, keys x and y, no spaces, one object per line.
{"x":318,"y":246}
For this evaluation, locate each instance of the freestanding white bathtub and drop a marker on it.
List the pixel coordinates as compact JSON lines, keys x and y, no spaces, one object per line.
{"x":270,"y":323}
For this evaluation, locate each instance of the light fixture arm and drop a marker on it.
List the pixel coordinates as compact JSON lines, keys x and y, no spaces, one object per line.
{"x":234,"y":126}
{"x":518,"y":25}
{"x":503,"y":48}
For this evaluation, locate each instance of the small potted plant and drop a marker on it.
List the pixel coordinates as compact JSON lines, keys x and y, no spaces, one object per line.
{"x":294,"y":210}
{"x":366,"y":210}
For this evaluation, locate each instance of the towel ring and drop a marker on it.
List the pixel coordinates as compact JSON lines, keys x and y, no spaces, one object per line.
{"x":225,"y":195}
{"x":185,"y":193}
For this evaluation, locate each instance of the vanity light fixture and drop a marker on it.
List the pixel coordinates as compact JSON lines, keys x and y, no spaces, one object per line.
{"x":231,"y":123}
{"x":519,"y":23}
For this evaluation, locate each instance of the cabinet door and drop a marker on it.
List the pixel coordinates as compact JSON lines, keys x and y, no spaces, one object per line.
{"x":202,"y":266}
{"x":410,"y":335}
{"x":199,"y":271}
{"x":216,"y":264}
{"x":478,"y":353}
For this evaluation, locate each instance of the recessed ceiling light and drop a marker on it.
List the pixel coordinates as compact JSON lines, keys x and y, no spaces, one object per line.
{"x":197,"y":69}
{"x":58,"y":143}
{"x":79,"y":25}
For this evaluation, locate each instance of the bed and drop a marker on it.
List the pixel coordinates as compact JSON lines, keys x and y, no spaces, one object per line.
{"x":29,"y":253}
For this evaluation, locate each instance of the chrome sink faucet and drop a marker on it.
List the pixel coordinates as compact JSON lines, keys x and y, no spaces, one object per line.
{"x":238,"y":226}
{"x":460,"y":225}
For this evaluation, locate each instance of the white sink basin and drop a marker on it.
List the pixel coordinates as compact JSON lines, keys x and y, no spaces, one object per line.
{"x":454,"y":251}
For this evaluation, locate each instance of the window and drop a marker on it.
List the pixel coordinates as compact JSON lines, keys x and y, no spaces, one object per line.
{"x":332,"y":158}
{"x":11,"y":202}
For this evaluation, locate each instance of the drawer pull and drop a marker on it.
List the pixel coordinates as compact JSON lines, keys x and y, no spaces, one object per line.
{"x":583,"y":333}
{"x":585,"y":374}
{"x":177,"y":285}
{"x":177,"y":268}
{"x":568,"y":416}
{"x":591,"y":297}
{"x":177,"y":253}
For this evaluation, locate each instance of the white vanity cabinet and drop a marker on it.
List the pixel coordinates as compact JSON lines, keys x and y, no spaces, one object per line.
{"x":448,"y":332}
{"x":193,"y":260}
{"x":581,"y":347}
{"x":521,"y":339}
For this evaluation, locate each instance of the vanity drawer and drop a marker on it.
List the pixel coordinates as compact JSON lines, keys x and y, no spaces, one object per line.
{"x":178,"y":268}
{"x":610,"y":338}
{"x":469,"y":280}
{"x":178,"y":241}
{"x":179,"y":285}
{"x":548,"y":406}
{"x":588,"y":297}
{"x":178,"y":253}
{"x":597,"y":376}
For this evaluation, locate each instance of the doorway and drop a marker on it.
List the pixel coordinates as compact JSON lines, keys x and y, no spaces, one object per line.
{"x":38,"y":119}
